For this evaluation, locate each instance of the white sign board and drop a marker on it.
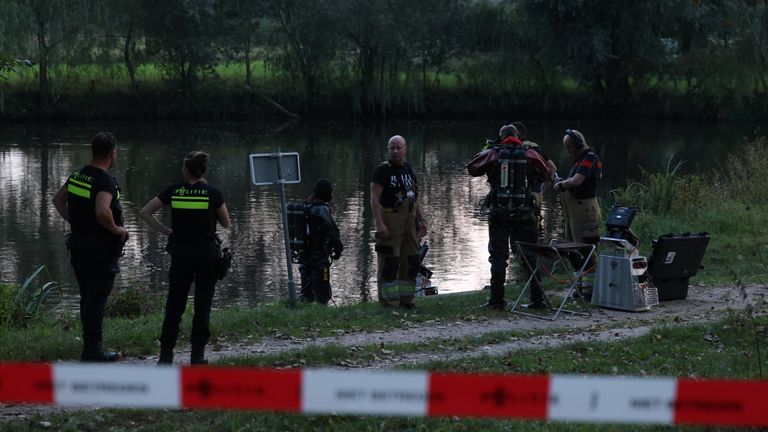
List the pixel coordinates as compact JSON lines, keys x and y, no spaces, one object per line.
{"x":264,"y":168}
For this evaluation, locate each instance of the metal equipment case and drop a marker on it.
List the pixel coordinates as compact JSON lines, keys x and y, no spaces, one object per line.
{"x":622,"y":281}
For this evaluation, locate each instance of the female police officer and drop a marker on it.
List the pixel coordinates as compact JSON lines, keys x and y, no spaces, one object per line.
{"x":195,"y":208}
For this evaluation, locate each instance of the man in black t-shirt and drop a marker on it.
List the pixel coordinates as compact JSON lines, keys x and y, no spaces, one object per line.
{"x":90,"y":201}
{"x":399,"y":226}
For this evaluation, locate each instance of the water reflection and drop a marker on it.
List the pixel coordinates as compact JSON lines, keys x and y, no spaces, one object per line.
{"x":34,"y":162}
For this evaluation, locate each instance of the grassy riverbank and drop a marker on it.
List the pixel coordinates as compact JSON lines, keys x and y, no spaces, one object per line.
{"x":730,"y":205}
{"x":723,"y":349}
{"x":91,"y":92}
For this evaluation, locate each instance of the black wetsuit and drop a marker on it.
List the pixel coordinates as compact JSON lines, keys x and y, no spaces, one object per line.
{"x":315,"y":261}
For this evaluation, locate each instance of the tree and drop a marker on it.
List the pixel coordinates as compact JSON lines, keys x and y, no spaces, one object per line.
{"x":310,"y":40}
{"x":182,"y":34}
{"x":431,"y":33}
{"x":241,"y":21}
{"x":372,"y":28}
{"x":604,"y":43}
{"x":54,"y":23}
{"x":122,"y":26}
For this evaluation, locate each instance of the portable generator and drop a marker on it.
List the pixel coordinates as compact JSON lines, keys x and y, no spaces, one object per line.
{"x":622,"y":280}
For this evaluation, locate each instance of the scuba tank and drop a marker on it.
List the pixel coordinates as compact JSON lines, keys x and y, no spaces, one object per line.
{"x":520,"y":194}
{"x":513,"y":198}
{"x":298,"y":228}
{"x":505,"y":187}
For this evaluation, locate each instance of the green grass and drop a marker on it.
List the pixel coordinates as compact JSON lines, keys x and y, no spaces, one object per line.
{"x":724,"y":349}
{"x":103,"y":91}
{"x":730,"y":204}
{"x":58,"y":337}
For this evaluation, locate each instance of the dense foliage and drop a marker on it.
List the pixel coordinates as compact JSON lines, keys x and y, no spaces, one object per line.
{"x":661,"y":58}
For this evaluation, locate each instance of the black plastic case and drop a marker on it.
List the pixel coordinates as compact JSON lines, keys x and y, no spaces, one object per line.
{"x":675,"y":258}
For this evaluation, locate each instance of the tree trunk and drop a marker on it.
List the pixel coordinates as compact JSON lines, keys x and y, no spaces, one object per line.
{"x":43,"y":62}
{"x":424,"y":73}
{"x":248,"y":60}
{"x":367,"y":75}
{"x":127,"y":48}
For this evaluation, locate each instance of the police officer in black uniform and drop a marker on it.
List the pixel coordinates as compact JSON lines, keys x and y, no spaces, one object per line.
{"x":90,"y":201}
{"x":196,"y":207}
{"x":323,"y":245}
{"x":511,"y":218}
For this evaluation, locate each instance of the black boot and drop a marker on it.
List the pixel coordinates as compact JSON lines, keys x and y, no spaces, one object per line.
{"x":496,"y":300}
{"x":494,"y":304}
{"x":166,"y":356}
{"x":198,"y":355}
{"x":96,"y":353}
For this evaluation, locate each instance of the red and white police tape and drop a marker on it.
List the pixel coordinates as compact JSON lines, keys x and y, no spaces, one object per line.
{"x":367,"y":392}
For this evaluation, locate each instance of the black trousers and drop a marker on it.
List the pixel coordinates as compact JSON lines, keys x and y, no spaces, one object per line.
{"x":315,"y":273}
{"x":502,"y":235}
{"x":190,"y":262}
{"x":95,"y":263}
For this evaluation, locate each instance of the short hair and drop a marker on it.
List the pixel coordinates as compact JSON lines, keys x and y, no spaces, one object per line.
{"x":577,"y":138}
{"x":507,"y":131}
{"x":196,"y":162}
{"x":102,"y":144}
{"x":396,"y":138}
{"x":522,"y":130}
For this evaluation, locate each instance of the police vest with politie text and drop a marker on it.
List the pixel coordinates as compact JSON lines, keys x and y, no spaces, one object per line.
{"x":511,"y":166}
{"x":193,"y":209}
{"x":83,"y":186}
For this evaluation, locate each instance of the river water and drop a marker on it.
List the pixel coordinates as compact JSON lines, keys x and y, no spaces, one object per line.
{"x":35,"y":160}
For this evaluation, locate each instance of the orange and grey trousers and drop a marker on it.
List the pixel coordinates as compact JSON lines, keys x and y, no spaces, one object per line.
{"x":398,"y":257}
{"x":582,"y":224}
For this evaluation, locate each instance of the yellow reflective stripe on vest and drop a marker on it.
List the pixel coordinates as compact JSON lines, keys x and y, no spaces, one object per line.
{"x":79,"y":183}
{"x":190,"y":198}
{"x":189,"y":205}
{"x":75,"y":190}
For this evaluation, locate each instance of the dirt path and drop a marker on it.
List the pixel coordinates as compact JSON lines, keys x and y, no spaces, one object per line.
{"x":703,"y":304}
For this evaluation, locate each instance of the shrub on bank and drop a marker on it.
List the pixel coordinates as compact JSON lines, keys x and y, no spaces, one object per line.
{"x":729,"y":203}
{"x":23,"y":303}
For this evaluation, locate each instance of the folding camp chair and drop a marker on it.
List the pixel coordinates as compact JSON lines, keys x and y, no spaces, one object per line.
{"x":560,"y":253}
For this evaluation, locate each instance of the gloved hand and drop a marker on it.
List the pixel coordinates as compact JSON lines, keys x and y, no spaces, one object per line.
{"x":336,"y":251}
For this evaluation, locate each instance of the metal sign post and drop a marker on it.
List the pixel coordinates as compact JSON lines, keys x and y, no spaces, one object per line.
{"x":280,"y":169}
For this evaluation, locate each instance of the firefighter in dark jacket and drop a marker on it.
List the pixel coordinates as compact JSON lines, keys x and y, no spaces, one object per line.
{"x":511,"y":215}
{"x":196,"y":208}
{"x":323,"y":245}
{"x":579,"y":199}
{"x":90,"y":201}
